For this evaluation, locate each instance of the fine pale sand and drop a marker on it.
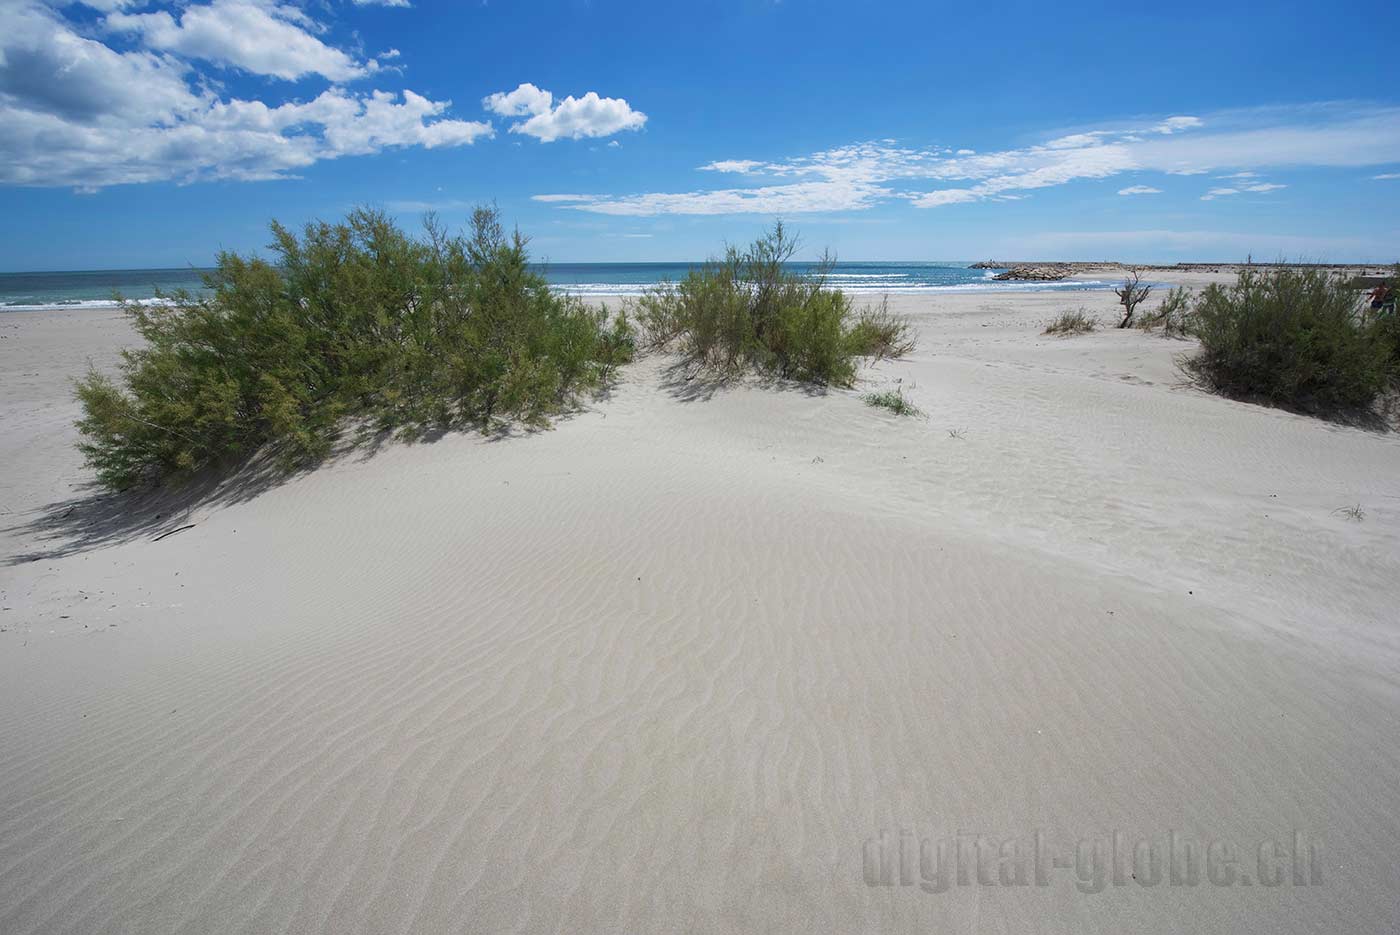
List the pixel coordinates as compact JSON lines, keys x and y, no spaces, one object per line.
{"x":670,"y":665}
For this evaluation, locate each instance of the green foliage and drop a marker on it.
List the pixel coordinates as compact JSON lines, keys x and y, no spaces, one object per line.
{"x":747,"y":310}
{"x":1076,"y":322}
{"x":894,"y":401}
{"x":1173,"y":316}
{"x":1292,"y":337}
{"x":1387,"y":324}
{"x":351,"y":319}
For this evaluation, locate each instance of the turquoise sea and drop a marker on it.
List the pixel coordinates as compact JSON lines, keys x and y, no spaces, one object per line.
{"x":26,"y":291}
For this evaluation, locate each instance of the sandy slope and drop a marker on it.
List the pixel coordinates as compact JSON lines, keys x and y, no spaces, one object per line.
{"x":669,"y":666}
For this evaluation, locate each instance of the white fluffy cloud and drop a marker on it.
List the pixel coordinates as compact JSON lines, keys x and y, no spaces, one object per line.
{"x":864,"y":175}
{"x":526,"y":99}
{"x":1139,"y":190}
{"x":78,"y":113}
{"x":49,"y":68}
{"x":262,"y":38}
{"x":241,"y":140}
{"x":572,"y":118}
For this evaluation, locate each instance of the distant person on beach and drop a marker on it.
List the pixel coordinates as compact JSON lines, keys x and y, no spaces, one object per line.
{"x":1382,"y":297}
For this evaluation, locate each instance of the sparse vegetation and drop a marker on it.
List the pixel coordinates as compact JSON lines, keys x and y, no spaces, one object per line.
{"x":351,"y":319}
{"x":1076,"y":322}
{"x":1293,"y":337}
{"x":1130,"y":296}
{"x":1353,"y":513}
{"x":1173,"y":316}
{"x":747,"y":310}
{"x":895,"y":401}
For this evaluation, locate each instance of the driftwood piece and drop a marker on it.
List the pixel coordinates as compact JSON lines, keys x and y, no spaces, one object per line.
{"x":171,"y":532}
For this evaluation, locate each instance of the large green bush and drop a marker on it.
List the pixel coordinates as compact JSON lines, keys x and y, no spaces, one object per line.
{"x":1294,"y":337}
{"x":750,"y":310}
{"x":350,"y":319}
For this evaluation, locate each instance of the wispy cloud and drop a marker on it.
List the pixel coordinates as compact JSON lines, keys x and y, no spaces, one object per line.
{"x":411,"y":206}
{"x":1177,"y":124}
{"x":1387,"y":175}
{"x":861,"y":176}
{"x":1139,"y":190}
{"x":798,"y":198}
{"x":1215,"y":193}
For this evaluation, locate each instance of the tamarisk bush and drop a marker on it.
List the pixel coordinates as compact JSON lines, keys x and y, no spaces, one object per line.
{"x":354,"y":319}
{"x":1294,"y":337}
{"x":748,"y":310}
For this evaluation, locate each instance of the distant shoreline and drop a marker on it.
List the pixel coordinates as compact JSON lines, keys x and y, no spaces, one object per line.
{"x":94,"y":290}
{"x":1193,"y":267}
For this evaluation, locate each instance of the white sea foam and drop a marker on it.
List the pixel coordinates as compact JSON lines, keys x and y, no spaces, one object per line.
{"x":893,"y":283}
{"x":71,"y":303}
{"x":866,"y":288}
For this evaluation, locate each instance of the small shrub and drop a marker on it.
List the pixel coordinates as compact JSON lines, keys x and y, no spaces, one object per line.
{"x":1077,"y":322}
{"x":1291,"y":337}
{"x":352,"y":319}
{"x":747,"y":310}
{"x":1173,"y":316}
{"x":658,"y":316}
{"x":895,"y":401}
{"x":881,"y":334}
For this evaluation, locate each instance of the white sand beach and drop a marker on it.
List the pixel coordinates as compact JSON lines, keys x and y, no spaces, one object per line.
{"x":670,"y":665}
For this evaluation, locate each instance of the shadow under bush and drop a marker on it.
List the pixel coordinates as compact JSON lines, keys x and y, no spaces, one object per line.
{"x":351,"y":319}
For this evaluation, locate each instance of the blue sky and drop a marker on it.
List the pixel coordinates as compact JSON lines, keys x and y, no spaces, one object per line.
{"x":154,"y":134}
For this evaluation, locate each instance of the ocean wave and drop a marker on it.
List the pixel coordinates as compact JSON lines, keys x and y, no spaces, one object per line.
{"x":858,"y":284}
{"x":630,"y":289}
{"x":18,"y":305}
{"x":867,"y":275}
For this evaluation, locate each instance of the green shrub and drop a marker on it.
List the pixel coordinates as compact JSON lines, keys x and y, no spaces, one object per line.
{"x":351,"y":319}
{"x":1291,"y":337}
{"x":894,"y":401}
{"x":1173,"y":316}
{"x":1077,"y":322}
{"x":748,"y":310}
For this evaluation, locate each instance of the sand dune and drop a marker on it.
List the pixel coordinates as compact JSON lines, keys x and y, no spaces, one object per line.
{"x":672,"y":664}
